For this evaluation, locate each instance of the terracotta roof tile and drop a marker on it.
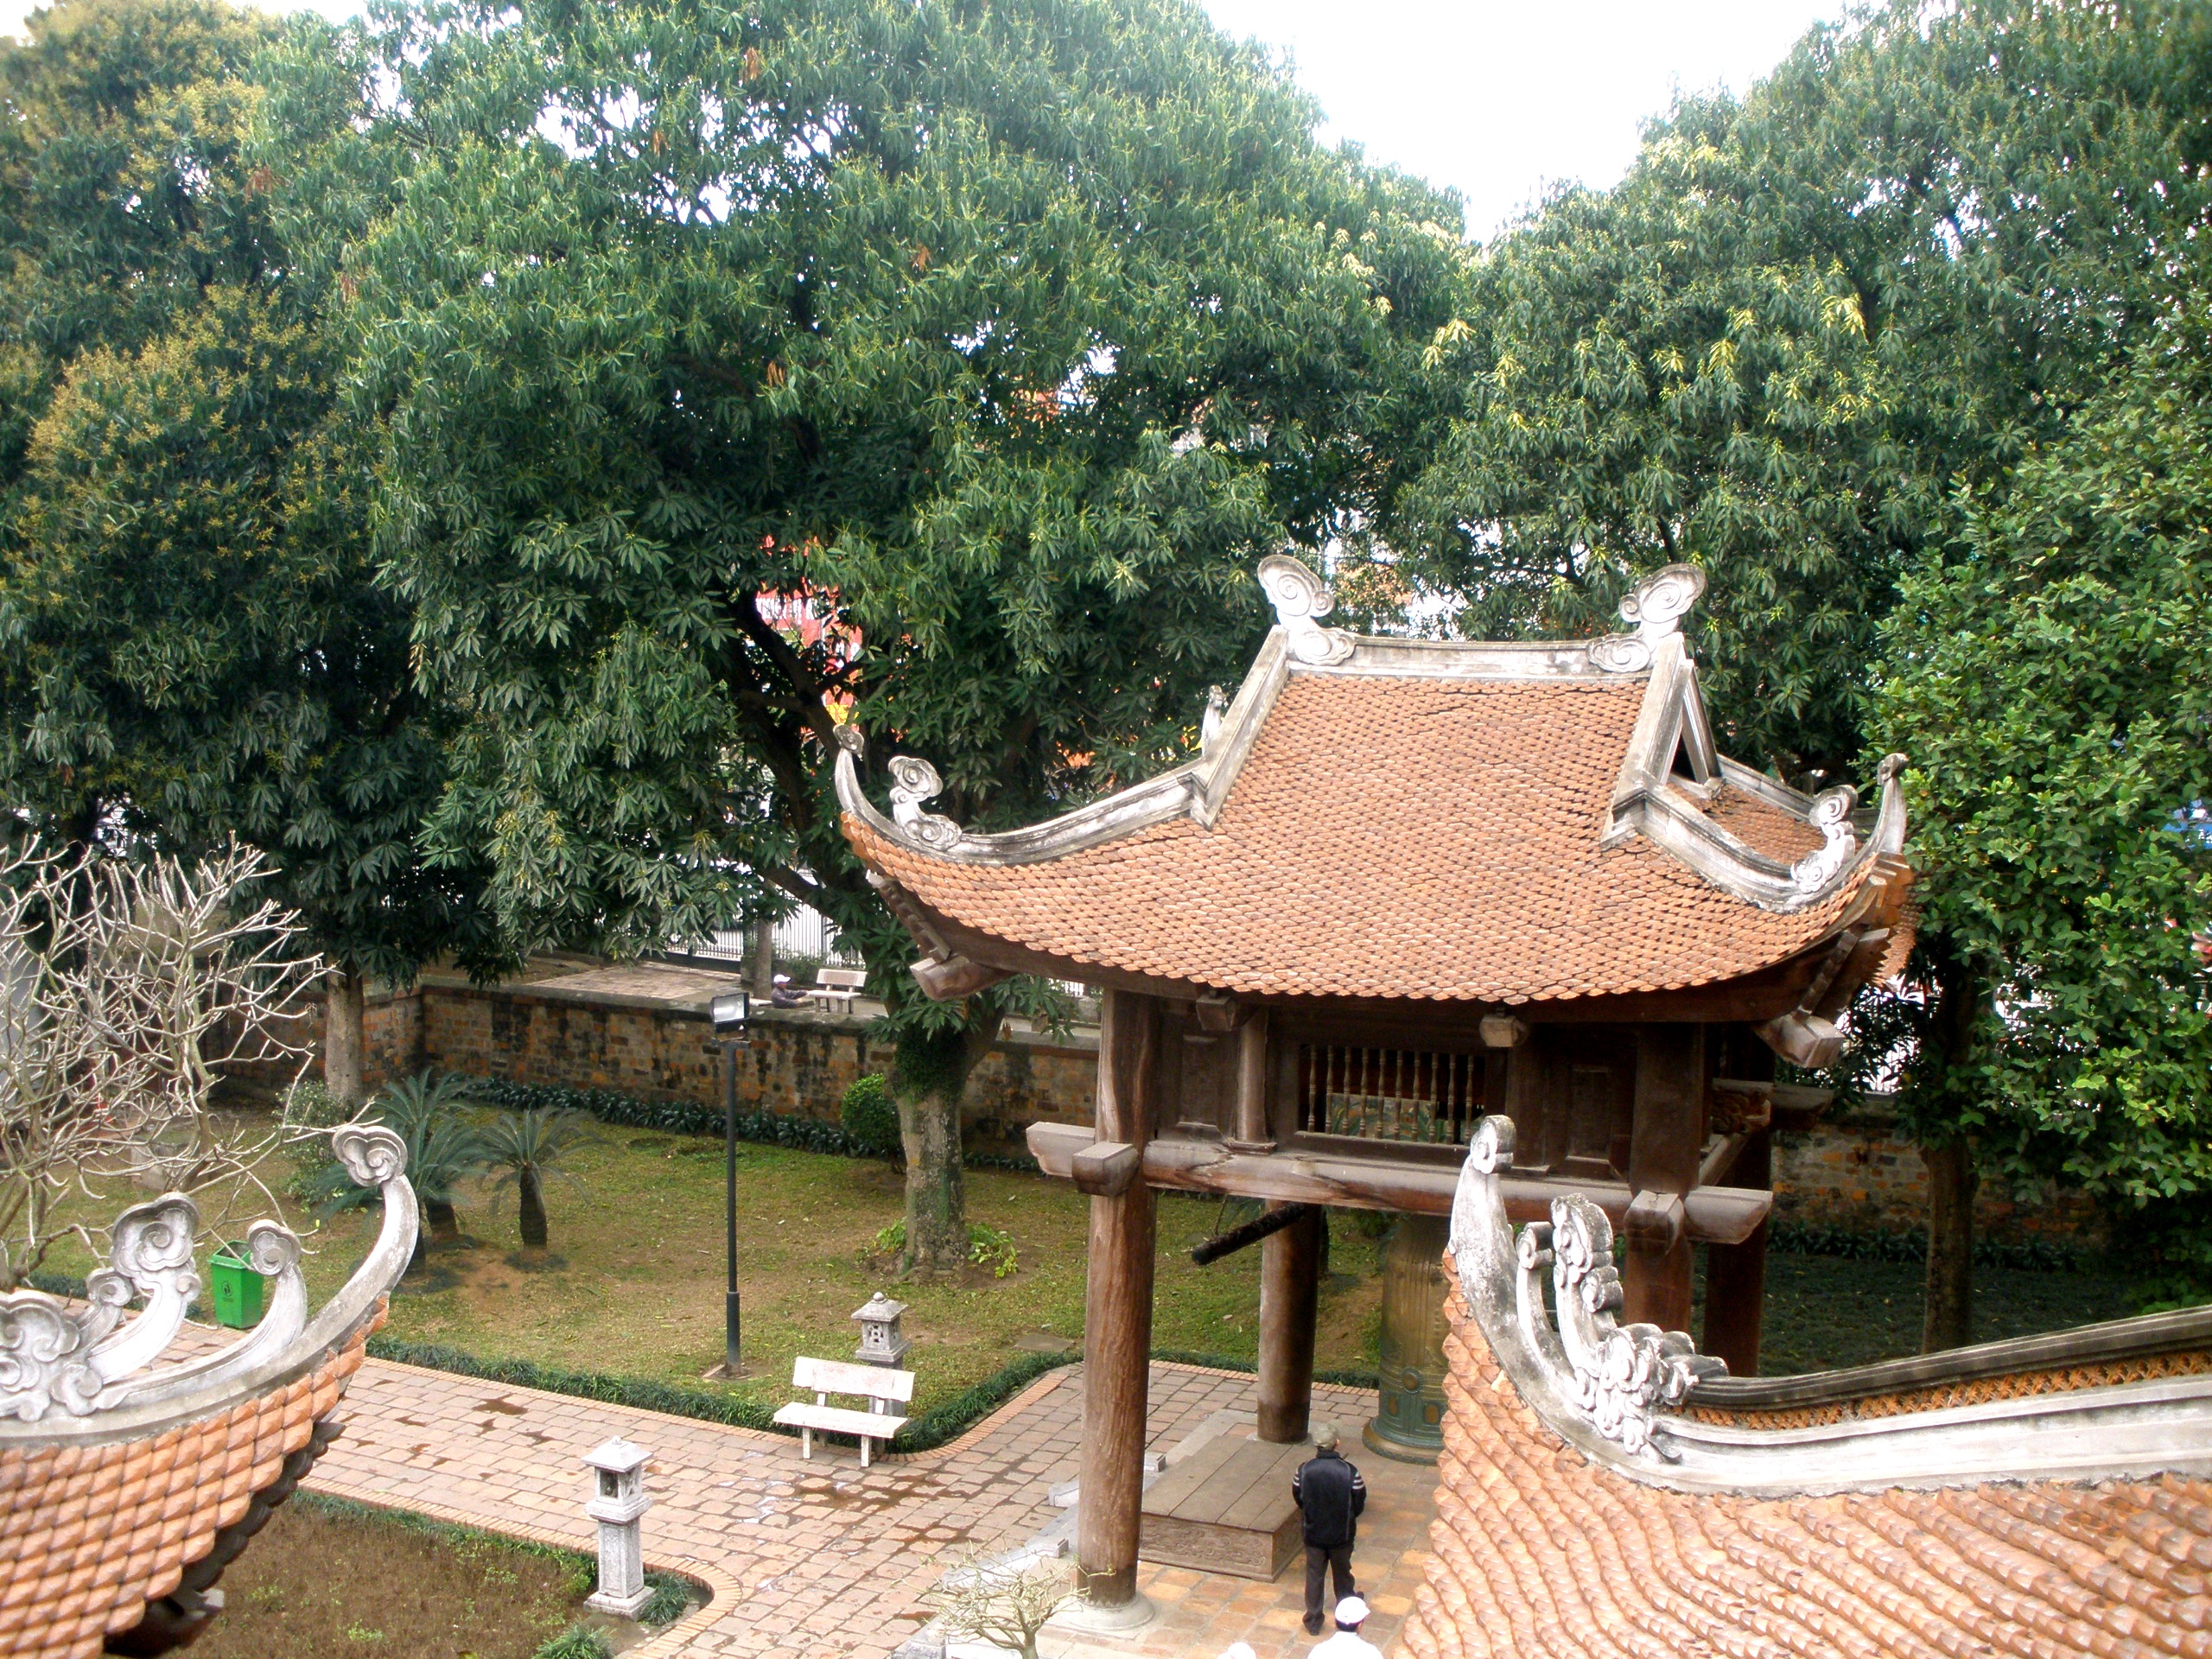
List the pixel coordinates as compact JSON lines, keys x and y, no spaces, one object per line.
{"x":161,"y":1501}
{"x":1397,"y":838}
{"x":1540,"y":1555}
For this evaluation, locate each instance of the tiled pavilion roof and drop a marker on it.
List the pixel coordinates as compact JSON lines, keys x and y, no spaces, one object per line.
{"x":1398,"y":819}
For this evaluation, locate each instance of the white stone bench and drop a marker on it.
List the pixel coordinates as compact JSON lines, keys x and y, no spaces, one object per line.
{"x":880,"y":1386}
{"x":837,"y":986}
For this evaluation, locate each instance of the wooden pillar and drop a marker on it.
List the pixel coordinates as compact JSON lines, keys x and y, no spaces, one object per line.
{"x":1290,"y":1303}
{"x":1117,"y":1316}
{"x":1735,"y":1274}
{"x":1665,"y":1139}
{"x":1253,"y":1132}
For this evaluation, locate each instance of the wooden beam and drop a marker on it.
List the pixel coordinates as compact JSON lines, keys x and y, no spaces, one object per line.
{"x":1297,"y":1175}
{"x":1666,"y":1136}
{"x":1118,"y":1310}
{"x":1290,"y":1294}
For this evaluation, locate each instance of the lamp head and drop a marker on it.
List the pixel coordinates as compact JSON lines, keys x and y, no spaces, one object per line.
{"x":730,"y":1012}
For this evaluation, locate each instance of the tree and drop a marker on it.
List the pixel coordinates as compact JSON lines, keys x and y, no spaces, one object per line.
{"x":941,"y":367}
{"x":192,"y":645}
{"x":2051,"y":667}
{"x":1789,"y":345}
{"x":130,"y":989}
{"x":525,"y":1149}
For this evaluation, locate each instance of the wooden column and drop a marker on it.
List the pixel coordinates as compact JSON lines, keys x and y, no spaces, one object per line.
{"x":1118,"y":1316}
{"x":1253,"y":1130}
{"x":1290,"y":1302}
{"x":1735,"y":1274}
{"x":1665,"y":1139}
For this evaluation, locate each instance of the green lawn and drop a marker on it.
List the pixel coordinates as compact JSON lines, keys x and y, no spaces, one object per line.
{"x":634,"y":1279}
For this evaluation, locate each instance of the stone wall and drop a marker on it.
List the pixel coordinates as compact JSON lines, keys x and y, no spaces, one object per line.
{"x":797,"y":1063}
{"x":1855,"y":1171}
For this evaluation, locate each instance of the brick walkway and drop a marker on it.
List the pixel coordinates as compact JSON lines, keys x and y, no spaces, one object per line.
{"x":825,"y":1559}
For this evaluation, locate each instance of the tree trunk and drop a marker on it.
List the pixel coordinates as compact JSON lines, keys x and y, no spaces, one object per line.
{"x":929,"y":1077}
{"x":342,"y":1044}
{"x":1947,"y":1319}
{"x":531,"y":1201}
{"x":445,"y":1222}
{"x":760,"y":967}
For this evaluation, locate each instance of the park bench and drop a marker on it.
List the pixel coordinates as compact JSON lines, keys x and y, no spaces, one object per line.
{"x":836,"y":987}
{"x":880,"y":1386}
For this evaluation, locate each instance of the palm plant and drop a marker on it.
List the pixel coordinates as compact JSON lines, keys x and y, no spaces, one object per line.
{"x":526,"y":1147}
{"x":443,"y":1150}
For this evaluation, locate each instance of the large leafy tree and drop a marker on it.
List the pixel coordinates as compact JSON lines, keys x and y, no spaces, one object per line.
{"x":192,"y":646}
{"x":996,"y":340}
{"x":1790,"y":345}
{"x":2051,"y":667}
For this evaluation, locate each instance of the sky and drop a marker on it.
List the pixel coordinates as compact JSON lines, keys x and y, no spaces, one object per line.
{"x":1497,"y":98}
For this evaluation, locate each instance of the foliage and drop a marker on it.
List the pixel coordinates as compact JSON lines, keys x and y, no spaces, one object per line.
{"x":870,"y":1116}
{"x":1812,"y":343}
{"x":687,"y":1118}
{"x":129,"y":990}
{"x":524,"y":1148}
{"x":922,"y":1432}
{"x":444,"y":1149}
{"x":1852,"y":1244}
{"x":986,"y":1247}
{"x":578,"y":1641}
{"x":1004,"y":1604}
{"x":1801,"y":320}
{"x":747,"y":370}
{"x":192,"y":645}
{"x":2049,"y":668}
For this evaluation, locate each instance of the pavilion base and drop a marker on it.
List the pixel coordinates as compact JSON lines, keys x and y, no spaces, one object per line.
{"x":1227,"y":1508}
{"x":1111,"y":1619}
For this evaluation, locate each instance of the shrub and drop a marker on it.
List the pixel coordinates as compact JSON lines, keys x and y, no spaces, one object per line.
{"x":870,"y":1116}
{"x":986,"y":1247}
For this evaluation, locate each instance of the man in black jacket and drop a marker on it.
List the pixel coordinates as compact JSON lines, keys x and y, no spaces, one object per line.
{"x":1330,"y":1495}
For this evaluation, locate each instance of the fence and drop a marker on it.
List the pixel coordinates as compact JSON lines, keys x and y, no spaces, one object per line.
{"x":805,"y":932}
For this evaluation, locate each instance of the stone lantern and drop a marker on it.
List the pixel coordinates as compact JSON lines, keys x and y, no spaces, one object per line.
{"x":617,"y":1503}
{"x":881,"y":1341}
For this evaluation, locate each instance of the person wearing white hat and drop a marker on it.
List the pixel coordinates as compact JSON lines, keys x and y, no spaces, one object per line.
{"x":1347,"y":1642}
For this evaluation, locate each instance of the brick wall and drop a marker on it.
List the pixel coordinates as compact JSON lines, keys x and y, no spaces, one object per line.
{"x":1855,"y":1171}
{"x":798,"y":1063}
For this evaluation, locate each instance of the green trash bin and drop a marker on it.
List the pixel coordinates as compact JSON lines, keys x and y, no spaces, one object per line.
{"x":238,"y":1289}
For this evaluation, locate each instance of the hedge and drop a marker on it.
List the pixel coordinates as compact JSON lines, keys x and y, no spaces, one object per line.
{"x":611,"y":1106}
{"x":932,"y":1428}
{"x":2032,"y":1255}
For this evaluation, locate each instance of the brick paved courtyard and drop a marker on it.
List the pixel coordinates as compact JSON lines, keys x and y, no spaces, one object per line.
{"x":824,"y":1560}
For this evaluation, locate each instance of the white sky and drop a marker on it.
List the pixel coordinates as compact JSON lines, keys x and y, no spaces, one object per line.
{"x":1493,"y":97}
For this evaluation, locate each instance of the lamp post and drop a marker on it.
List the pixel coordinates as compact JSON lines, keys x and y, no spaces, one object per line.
{"x":730,"y":1014}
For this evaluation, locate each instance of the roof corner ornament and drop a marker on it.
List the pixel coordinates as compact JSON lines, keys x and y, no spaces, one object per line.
{"x":914,"y":780}
{"x":1615,"y":1378}
{"x":1831,"y":816}
{"x":1300,"y":599}
{"x":1657,"y":605}
{"x":1210,"y":723}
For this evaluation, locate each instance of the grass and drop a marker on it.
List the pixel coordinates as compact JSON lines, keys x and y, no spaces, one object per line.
{"x":633,"y":1284}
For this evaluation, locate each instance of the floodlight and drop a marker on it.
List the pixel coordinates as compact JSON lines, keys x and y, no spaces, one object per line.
{"x":730,"y":1014}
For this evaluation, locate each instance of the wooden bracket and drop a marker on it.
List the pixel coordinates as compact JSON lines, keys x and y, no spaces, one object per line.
{"x":1504,"y":1031}
{"x":953,"y":977}
{"x":1803,"y":1039}
{"x":1654,"y":1223}
{"x":1105,"y":1169}
{"x":1219,"y":1012}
